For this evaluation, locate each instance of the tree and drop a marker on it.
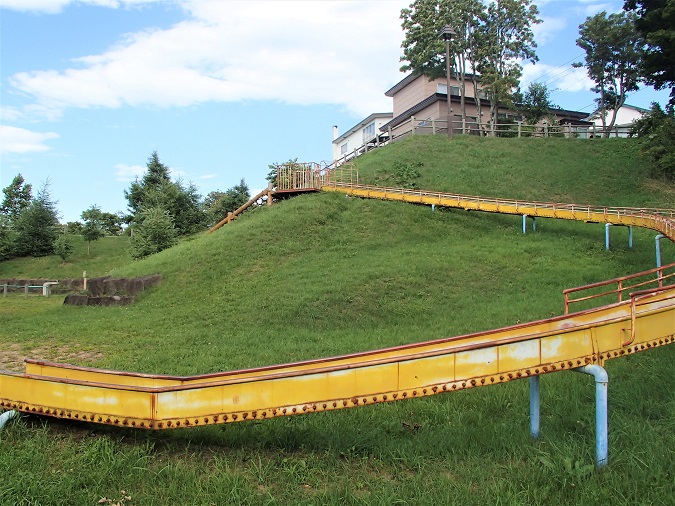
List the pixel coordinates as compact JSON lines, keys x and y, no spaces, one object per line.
{"x":17,"y":197}
{"x":656,"y":134}
{"x":156,"y":189}
{"x":74,"y":228}
{"x":535,"y":103}
{"x":154,"y":231}
{"x":112,"y":223}
{"x":37,"y":225}
{"x":613,"y":49}
{"x":503,"y":40}
{"x":273,"y":174}
{"x":63,"y":246}
{"x":424,"y":51}
{"x":219,"y":203}
{"x":93,"y":225}
{"x":156,"y":175}
{"x":7,"y":238}
{"x":656,"y":23}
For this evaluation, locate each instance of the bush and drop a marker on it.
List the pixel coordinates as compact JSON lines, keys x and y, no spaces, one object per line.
{"x":403,"y":175}
{"x":63,"y":246}
{"x":656,"y":133}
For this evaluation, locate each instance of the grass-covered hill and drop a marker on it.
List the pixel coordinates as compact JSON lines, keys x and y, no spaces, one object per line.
{"x":322,"y":274}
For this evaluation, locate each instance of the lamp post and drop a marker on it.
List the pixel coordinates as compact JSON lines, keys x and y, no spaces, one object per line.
{"x":447,"y":34}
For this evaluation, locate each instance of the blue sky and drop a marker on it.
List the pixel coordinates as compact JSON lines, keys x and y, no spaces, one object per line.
{"x":219,"y":88}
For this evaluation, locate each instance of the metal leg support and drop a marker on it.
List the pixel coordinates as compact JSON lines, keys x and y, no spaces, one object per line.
{"x":6,"y":417}
{"x":658,"y":249}
{"x":601,"y":433}
{"x":534,"y":406}
{"x":534,"y":223}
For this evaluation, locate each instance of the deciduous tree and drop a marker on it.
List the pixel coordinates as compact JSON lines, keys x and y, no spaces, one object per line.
{"x":424,"y":51}
{"x":656,"y":133}
{"x":504,"y":40}
{"x":221,"y":203}
{"x":93,"y":226}
{"x":535,"y":103}
{"x":656,"y":22}
{"x":613,"y":49}
{"x":17,"y":197}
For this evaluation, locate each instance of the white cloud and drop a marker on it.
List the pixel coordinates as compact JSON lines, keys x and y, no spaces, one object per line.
{"x":548,"y":29}
{"x":10,"y":114}
{"x":594,"y":7}
{"x":20,"y":140}
{"x":56,"y":6}
{"x":296,"y":52}
{"x":126,"y":173}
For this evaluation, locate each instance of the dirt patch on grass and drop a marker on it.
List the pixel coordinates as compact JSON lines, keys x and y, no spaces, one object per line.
{"x":13,"y":355}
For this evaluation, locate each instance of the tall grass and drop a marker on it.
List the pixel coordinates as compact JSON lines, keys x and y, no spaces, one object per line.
{"x":322,"y":275}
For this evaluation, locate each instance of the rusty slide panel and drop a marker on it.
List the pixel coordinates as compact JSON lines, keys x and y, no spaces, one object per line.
{"x":345,"y":382}
{"x":524,"y":330}
{"x":274,"y":393}
{"x":76,"y":400}
{"x":90,"y":374}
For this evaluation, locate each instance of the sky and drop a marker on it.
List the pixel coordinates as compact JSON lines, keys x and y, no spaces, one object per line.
{"x":220,"y":89}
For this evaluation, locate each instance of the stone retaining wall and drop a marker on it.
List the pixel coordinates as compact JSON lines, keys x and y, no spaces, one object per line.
{"x":104,"y":291}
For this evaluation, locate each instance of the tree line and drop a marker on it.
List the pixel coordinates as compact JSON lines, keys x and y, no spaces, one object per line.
{"x":490,"y":40}
{"x":159,"y":211}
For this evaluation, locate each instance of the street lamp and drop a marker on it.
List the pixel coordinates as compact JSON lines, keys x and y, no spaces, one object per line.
{"x":447,"y":34}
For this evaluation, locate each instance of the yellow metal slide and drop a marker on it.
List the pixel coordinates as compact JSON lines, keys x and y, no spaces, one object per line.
{"x":642,"y":317}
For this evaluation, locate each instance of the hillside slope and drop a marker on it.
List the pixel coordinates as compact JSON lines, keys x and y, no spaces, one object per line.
{"x":605,"y":172}
{"x":322,"y":274}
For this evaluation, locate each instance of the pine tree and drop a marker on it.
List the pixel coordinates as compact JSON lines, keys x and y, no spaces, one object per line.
{"x":37,"y":226}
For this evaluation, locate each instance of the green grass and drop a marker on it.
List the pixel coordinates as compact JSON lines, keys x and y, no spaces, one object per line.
{"x":321,"y":275}
{"x":105,"y":254}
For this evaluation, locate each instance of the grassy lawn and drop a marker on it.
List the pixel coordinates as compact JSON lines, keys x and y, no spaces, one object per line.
{"x":105,"y":254}
{"x":322,"y":275}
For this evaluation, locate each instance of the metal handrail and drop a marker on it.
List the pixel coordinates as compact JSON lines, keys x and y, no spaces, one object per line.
{"x":621,"y":286}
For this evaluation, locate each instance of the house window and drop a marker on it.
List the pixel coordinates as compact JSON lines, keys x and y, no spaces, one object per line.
{"x":369,"y":132}
{"x":443,"y":89}
{"x":344,"y":148}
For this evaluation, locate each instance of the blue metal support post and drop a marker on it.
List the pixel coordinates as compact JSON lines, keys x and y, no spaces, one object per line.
{"x":535,"y":406}
{"x":601,"y":433}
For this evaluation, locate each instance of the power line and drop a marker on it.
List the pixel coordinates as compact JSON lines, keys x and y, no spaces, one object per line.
{"x":561,"y":66}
